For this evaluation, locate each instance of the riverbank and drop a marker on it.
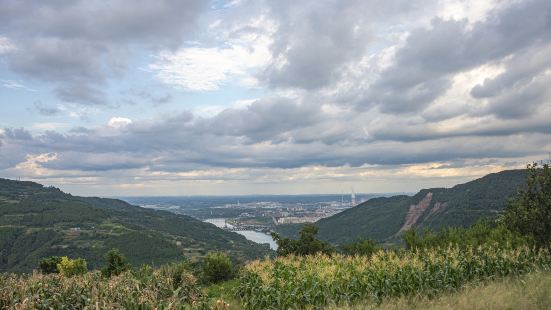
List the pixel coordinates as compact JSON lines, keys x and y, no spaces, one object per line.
{"x":252,"y":235}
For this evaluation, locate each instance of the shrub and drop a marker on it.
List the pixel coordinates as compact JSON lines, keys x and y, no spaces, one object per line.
{"x":361,"y":247}
{"x":72,"y":267}
{"x":178,"y":273}
{"x":49,"y":264}
{"x":482,"y":232}
{"x":115,"y":263}
{"x":217,"y":267}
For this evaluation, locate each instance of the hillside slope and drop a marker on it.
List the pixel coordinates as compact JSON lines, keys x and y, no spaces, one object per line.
{"x":37,"y":221}
{"x":384,"y":218}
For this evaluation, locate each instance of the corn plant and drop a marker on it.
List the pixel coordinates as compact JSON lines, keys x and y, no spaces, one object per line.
{"x":315,"y":281}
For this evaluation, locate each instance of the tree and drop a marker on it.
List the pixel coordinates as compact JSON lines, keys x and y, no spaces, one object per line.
{"x":49,"y":264}
{"x":72,"y":267}
{"x":115,"y":263}
{"x":307,"y":243}
{"x":529,"y":212}
{"x":217,"y":267}
{"x":361,"y":247}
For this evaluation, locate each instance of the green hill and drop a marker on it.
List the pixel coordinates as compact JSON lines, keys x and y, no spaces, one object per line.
{"x":38,"y":221}
{"x":383,"y":219}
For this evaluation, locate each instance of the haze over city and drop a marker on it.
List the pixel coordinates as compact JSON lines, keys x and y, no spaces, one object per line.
{"x":264,"y":97}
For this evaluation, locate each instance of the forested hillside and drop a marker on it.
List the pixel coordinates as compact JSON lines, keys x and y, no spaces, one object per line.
{"x":384,"y":219}
{"x":38,"y":221}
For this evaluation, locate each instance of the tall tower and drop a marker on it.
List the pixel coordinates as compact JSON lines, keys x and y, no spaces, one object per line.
{"x":353,"y":198}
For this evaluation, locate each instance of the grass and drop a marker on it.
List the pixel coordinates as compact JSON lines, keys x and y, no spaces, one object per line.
{"x":532,"y":291}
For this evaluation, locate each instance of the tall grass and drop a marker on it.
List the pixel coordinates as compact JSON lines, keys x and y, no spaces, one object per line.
{"x":166,"y":288}
{"x":300,"y":282}
{"x":531,"y":291}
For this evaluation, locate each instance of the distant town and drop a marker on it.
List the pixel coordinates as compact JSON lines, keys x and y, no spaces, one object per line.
{"x":255,"y":213}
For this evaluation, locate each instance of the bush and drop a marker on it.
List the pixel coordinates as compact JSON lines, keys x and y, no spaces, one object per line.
{"x":179,"y":274}
{"x":49,"y":264}
{"x":72,"y":267}
{"x":482,"y":232}
{"x":217,"y":267}
{"x":115,"y":263}
{"x":361,"y":247}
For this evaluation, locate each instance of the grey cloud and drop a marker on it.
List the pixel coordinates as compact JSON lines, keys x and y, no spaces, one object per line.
{"x":150,"y":96}
{"x":82,"y":45}
{"x":96,"y":162}
{"x":522,"y":100}
{"x":160,"y":23}
{"x":46,"y":109}
{"x":267,"y":119}
{"x":431,"y":56}
{"x":521,"y":88}
{"x":315,"y":40}
{"x":270,"y":135}
{"x":82,"y":94}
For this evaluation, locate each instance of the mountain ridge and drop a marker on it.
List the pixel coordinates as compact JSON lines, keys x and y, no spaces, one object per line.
{"x":385,"y":218}
{"x":38,"y":221}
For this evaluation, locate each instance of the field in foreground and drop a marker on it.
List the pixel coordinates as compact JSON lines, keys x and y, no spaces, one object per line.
{"x":388,"y":278}
{"x":317,"y":281}
{"x":532,"y":291}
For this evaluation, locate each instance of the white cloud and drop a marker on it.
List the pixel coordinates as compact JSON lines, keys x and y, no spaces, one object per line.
{"x":236,"y":60}
{"x":471,"y":10}
{"x":12,"y":84}
{"x":200,"y":69}
{"x":6,"y":45}
{"x":119,"y":122}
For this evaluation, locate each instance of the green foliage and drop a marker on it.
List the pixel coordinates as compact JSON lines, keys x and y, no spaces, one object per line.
{"x":115,"y":263}
{"x":365,"y":247}
{"x":38,"y":221}
{"x":217,"y":267}
{"x":382,"y":218}
{"x":482,"y":232}
{"x":307,"y":243}
{"x":72,"y":267}
{"x":529,"y":212}
{"x":306,"y":282}
{"x":49,"y":264}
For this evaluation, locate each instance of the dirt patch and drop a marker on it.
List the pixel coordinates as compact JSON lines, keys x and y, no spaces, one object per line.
{"x":438,"y":206}
{"x":415,"y":212}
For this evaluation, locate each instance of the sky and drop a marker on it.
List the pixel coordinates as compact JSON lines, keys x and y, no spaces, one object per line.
{"x":195,"y":97}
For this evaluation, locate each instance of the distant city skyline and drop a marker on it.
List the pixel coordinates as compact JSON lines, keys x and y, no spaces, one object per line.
{"x":245,"y":97}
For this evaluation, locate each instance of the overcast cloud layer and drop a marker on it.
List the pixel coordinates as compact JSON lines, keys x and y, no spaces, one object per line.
{"x":245,"y":97}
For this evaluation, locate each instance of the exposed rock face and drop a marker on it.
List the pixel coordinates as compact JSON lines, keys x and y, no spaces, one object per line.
{"x":415,"y":212}
{"x":438,"y":206}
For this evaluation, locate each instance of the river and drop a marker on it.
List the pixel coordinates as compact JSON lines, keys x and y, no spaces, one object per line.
{"x":252,"y":235}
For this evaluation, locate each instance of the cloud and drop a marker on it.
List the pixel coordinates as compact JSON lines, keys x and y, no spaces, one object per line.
{"x":278,"y":133}
{"x":82,"y":46}
{"x":345,"y":90}
{"x":315,"y":41}
{"x":16,"y":85}
{"x":46,"y":109}
{"x":119,"y":122}
{"x":6,"y":45}
{"x":424,"y":66}
{"x":244,"y":52}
